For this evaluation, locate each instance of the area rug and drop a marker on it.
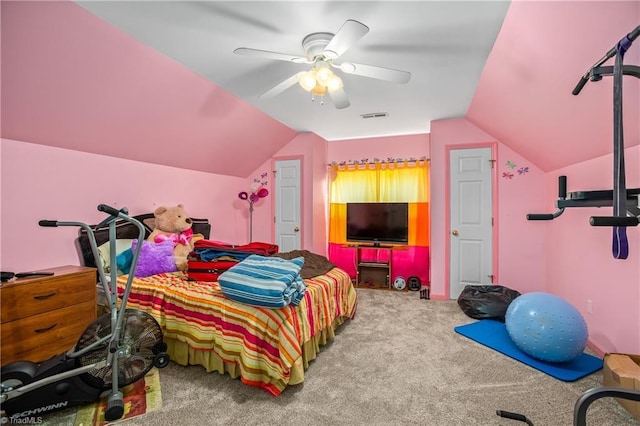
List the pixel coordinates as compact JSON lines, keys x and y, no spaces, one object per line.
{"x":140,"y":397}
{"x":494,"y":335}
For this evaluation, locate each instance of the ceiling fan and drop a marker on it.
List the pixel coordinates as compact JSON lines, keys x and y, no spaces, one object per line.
{"x":321,"y":50}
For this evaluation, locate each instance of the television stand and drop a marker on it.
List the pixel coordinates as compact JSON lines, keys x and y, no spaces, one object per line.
{"x":375,"y":274}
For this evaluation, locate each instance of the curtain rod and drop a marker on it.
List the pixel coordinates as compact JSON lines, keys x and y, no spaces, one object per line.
{"x":374,"y":161}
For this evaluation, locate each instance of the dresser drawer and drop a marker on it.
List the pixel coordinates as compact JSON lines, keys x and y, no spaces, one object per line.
{"x":42,"y":336}
{"x":32,"y":297}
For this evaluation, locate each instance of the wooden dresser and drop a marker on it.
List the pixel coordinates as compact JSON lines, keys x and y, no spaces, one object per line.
{"x":45,"y":316}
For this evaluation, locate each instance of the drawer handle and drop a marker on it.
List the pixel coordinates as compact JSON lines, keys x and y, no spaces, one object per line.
{"x":42,"y":330}
{"x":44,"y":296}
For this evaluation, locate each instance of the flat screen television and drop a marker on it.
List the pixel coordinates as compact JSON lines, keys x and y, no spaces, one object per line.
{"x":378,"y":223}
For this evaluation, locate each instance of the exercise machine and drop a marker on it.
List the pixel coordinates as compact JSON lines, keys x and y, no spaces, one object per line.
{"x":117,"y":349}
{"x":582,"y":404}
{"x":594,"y":199}
{"x":588,"y":397}
{"x":625,"y":202}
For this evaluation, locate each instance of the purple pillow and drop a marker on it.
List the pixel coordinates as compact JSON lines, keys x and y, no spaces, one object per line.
{"x":155,"y":258}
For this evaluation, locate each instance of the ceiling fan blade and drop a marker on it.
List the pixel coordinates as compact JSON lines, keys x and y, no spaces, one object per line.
{"x":380,"y":73}
{"x":350,"y":32}
{"x":281,"y":87}
{"x":339,"y":98}
{"x":230,"y":13}
{"x":245,"y":51}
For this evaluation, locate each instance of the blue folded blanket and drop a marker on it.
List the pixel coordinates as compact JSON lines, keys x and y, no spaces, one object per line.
{"x":262,"y":281}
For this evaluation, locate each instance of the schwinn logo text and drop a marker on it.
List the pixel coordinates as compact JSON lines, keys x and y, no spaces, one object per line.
{"x":23,"y":417}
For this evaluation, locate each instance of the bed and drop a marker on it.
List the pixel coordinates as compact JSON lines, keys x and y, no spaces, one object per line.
{"x":264,"y":347}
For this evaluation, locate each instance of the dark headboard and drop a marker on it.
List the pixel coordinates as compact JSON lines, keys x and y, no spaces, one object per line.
{"x":127,"y":230}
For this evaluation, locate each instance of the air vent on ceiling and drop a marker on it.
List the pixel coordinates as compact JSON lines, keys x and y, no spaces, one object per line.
{"x":374,"y":115}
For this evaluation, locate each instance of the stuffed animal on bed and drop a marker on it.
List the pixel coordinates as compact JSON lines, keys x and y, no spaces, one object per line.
{"x":172,"y":223}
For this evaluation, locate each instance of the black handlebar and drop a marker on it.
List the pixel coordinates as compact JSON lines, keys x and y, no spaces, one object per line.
{"x":534,"y":216}
{"x":583,"y":80}
{"x":48,"y":223}
{"x":587,"y":398}
{"x":110,"y":210}
{"x":113,"y":214}
{"x":634,"y":34}
{"x":513,"y":416}
{"x":613,"y":221}
{"x":624,"y":43}
{"x":562,"y":187}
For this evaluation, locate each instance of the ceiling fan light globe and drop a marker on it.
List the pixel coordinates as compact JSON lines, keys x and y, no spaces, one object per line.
{"x":323,"y":75}
{"x":334,"y":84}
{"x":319,"y":90}
{"x":308,"y":80}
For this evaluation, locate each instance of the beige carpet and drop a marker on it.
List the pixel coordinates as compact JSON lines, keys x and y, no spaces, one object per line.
{"x":399,"y":362}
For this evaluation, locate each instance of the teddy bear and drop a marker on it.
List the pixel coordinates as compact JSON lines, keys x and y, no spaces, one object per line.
{"x":172,"y":223}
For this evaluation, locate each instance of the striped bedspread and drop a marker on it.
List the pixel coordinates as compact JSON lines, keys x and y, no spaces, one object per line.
{"x":263,"y":342}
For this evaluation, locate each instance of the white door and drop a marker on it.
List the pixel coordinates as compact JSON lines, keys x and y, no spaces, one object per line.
{"x":471,"y":219}
{"x":287,"y":208}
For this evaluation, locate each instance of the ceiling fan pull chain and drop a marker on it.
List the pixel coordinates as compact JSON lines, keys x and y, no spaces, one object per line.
{"x":313,"y":99}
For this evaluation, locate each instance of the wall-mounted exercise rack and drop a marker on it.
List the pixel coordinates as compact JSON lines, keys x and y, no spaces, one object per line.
{"x":597,"y":72}
{"x":594,"y":199}
{"x":624,"y":202}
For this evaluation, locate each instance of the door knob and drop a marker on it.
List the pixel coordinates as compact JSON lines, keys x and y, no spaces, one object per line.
{"x":454,"y":232}
{"x":296,"y":229}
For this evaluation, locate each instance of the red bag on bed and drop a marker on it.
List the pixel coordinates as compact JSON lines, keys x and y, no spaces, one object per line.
{"x":209,"y":259}
{"x":208,"y":271}
{"x":264,"y":249}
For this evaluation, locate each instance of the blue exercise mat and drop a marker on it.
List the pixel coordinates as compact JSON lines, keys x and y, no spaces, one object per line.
{"x":493,"y":334}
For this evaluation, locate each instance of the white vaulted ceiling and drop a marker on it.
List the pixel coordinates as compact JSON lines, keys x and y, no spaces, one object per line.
{"x":444,"y":45}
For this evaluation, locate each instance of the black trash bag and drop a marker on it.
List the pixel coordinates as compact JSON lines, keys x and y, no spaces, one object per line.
{"x":486,"y":301}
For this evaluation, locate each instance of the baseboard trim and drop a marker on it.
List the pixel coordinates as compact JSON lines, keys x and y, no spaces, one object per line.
{"x":596,"y":348}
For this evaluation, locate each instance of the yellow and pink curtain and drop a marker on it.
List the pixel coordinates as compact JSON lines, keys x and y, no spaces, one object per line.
{"x":406,"y":181}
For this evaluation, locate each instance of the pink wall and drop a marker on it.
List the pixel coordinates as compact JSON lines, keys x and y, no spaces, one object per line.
{"x":319,"y":205}
{"x":40,"y":182}
{"x":311,"y":149}
{"x":72,"y":80}
{"x":261,"y":223}
{"x":566,"y":256}
{"x":405,"y":146}
{"x":579,"y":261}
{"x":520,"y":247}
{"x":524,"y":98}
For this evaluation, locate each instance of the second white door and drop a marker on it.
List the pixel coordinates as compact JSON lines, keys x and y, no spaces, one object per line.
{"x":287,"y":205}
{"x":471,"y":219}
